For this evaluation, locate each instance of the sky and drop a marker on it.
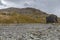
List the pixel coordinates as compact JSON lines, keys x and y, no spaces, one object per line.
{"x":49,"y":6}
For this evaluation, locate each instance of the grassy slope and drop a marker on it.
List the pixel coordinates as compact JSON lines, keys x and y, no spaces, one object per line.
{"x":20,"y":18}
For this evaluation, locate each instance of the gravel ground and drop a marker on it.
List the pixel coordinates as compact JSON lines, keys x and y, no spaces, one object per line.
{"x":30,"y":32}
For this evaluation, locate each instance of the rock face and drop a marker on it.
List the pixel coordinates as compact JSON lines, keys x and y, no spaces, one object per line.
{"x":51,"y":19}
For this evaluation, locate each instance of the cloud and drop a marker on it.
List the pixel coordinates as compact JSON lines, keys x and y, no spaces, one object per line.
{"x":1,"y":4}
{"x":49,"y":6}
{"x":19,"y":3}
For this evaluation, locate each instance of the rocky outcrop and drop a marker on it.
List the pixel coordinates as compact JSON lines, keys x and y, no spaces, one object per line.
{"x":51,"y":19}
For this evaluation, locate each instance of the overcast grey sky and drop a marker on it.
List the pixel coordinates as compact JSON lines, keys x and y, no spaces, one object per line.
{"x":49,"y":6}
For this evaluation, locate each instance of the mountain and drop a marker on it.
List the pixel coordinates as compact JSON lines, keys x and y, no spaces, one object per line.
{"x":22,"y":10}
{"x":22,"y":15}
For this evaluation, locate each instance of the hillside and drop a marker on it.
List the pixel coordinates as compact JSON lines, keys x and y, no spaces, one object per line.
{"x":22,"y":15}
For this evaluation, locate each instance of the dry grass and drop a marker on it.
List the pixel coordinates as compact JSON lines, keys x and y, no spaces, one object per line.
{"x":20,"y":18}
